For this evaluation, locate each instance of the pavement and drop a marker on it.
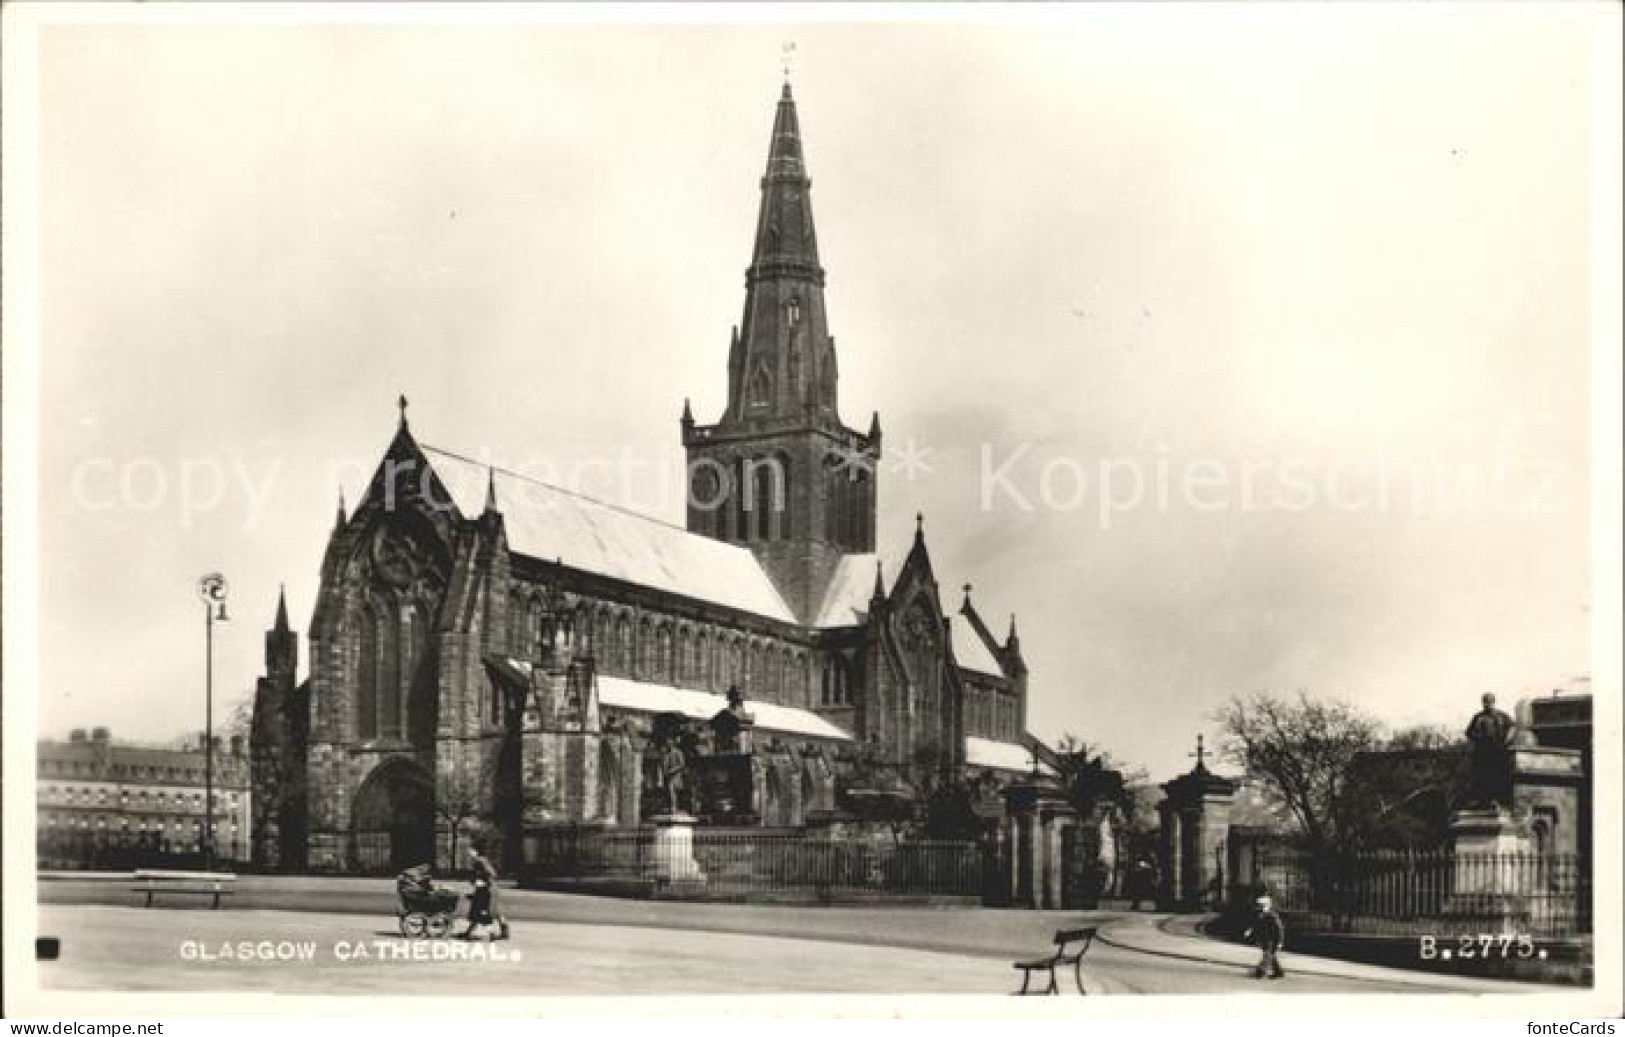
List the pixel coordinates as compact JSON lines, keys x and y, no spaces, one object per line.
{"x":1180,"y":937}
{"x":576,"y":944}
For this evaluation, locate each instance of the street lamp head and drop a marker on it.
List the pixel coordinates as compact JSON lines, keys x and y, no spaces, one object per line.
{"x":212,"y":588}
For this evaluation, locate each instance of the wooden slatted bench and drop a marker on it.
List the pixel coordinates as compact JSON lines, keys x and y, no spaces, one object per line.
{"x":192,"y":883}
{"x":1062,"y":957}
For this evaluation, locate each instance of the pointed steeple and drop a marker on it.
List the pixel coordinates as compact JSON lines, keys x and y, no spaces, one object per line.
{"x":490,"y":491}
{"x":782,"y":365}
{"x":784,"y":233}
{"x":341,"y":519}
{"x":281,"y":645}
{"x":782,"y":404}
{"x":1014,"y":663}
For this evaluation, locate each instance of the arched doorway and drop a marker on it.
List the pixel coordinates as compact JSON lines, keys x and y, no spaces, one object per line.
{"x":392,"y":820}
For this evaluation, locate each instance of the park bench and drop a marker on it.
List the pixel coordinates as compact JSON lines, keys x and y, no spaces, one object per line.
{"x":1062,"y":957}
{"x":194,"y":883}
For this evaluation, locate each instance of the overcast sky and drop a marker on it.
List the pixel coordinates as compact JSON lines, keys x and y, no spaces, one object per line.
{"x":1336,"y":248}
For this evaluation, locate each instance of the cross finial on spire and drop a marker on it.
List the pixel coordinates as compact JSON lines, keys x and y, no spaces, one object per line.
{"x":1200,"y":754}
{"x":401,"y":403}
{"x":787,"y":58}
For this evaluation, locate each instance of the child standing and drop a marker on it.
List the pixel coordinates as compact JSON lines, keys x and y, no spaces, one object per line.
{"x":1269,"y":932}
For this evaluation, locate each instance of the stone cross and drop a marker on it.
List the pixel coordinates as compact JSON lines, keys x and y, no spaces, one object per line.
{"x":1200,"y":753}
{"x":787,"y":50}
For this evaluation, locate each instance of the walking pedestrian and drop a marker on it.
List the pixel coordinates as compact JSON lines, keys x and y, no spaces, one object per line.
{"x":1269,"y":932}
{"x":1142,"y":883}
{"x":485,"y":904}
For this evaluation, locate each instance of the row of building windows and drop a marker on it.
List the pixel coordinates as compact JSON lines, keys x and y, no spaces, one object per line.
{"x":102,"y":796}
{"x":123,"y":824}
{"x":93,"y":768}
{"x":748,"y":500}
{"x":992,"y":714}
{"x":650,"y":650}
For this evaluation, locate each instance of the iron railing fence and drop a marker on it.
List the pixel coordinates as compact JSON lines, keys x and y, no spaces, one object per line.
{"x":1424,"y":892}
{"x":56,"y":853}
{"x":763,"y":861}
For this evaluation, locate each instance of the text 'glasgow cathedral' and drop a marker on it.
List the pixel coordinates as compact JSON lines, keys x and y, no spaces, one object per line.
{"x":489,"y":649}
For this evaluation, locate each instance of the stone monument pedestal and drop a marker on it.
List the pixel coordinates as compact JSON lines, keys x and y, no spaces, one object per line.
{"x":674,"y":849}
{"x":1491,"y":849}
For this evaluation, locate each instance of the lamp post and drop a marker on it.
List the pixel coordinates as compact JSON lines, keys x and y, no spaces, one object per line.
{"x":212,"y":590}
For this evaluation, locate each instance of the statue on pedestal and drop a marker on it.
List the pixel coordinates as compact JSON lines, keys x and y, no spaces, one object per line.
{"x":673,"y":767}
{"x":1490,"y":734}
{"x":730,"y":727}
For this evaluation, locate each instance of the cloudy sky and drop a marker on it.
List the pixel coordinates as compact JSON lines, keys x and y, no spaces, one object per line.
{"x":1239,"y":349}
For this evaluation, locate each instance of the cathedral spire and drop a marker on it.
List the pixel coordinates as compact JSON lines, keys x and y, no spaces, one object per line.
{"x":782,"y":366}
{"x":281,"y":610}
{"x":490,"y":491}
{"x":810,"y":498}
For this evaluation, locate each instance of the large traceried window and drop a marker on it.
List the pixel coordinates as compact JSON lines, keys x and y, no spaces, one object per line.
{"x":393,"y":626}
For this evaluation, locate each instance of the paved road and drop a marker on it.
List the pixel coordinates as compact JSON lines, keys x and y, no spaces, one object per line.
{"x":570,"y":944}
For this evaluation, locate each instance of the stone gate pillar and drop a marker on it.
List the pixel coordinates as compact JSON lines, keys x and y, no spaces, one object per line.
{"x":1195,"y":827}
{"x":1038,"y":816}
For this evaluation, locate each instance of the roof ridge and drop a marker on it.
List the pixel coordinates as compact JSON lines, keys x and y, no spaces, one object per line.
{"x":623,"y":509}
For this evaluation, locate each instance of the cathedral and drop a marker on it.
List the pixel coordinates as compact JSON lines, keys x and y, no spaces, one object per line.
{"x":488,"y":649}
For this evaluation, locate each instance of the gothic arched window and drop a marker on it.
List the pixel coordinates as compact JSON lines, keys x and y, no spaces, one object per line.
{"x":764,"y":497}
{"x":366,"y":702}
{"x":760,"y":388}
{"x":388,"y":682}
{"x":623,"y":645}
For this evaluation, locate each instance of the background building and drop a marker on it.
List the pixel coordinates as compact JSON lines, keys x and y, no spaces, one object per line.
{"x":102,"y":804}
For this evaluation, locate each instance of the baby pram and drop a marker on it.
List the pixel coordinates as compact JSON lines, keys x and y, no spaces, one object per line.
{"x":425,"y":910}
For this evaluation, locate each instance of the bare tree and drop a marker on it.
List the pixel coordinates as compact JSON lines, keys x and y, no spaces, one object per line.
{"x":462,"y":803}
{"x":1303,"y":749}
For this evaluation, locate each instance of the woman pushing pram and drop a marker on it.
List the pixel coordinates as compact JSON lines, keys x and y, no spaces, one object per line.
{"x":483,"y":910}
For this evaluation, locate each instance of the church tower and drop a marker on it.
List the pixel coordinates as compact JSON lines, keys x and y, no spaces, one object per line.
{"x":779,"y":472}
